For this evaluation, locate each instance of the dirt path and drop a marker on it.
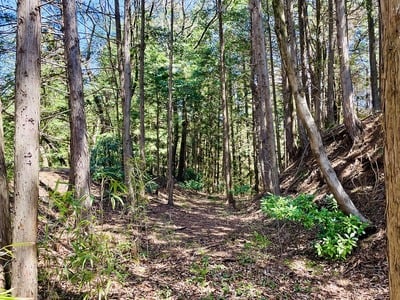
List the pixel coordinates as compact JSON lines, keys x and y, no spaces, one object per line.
{"x":200,"y":250}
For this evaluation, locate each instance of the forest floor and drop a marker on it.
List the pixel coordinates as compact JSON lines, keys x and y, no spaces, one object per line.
{"x":199,"y":249}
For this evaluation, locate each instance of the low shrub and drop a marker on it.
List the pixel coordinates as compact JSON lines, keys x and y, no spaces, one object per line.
{"x":337,"y":233}
{"x":193,"y":185}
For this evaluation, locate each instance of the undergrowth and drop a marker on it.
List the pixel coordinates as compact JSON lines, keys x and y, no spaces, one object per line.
{"x":94,"y":258}
{"x":337,"y":233}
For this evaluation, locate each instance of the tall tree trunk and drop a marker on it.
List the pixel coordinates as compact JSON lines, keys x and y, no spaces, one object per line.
{"x":255,"y":134}
{"x":5,"y":218}
{"x":182,"y":151}
{"x":267,"y":154}
{"x":298,"y":127}
{"x":390,"y":83}
{"x":118,"y":41}
{"x":351,"y":121}
{"x":141,"y":81}
{"x":274,"y":96}
{"x":26,"y":168}
{"x":289,"y":120}
{"x":158,"y":140}
{"x":330,"y":111}
{"x":126,"y":94}
{"x":225,"y":110}
{"x":376,"y":101}
{"x":304,"y":62}
{"x":79,"y":166}
{"x":314,"y":136}
{"x":316,"y":73}
{"x":170,"y":121}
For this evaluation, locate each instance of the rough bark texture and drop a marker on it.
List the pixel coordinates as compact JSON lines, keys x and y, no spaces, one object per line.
{"x":79,"y":165}
{"x":141,"y":81}
{"x":126,"y":93}
{"x":5,"y":219}
{"x":376,"y":101}
{"x":264,"y":107}
{"x":225,"y":111}
{"x":182,"y":150}
{"x":351,"y":121}
{"x":26,"y":172}
{"x":303,"y":111}
{"x":390,"y":82}
{"x":330,"y":94}
{"x":170,"y":179}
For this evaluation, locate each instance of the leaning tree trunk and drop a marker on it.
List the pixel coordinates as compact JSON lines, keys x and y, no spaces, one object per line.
{"x":351,"y":121}
{"x":26,"y":169}
{"x":79,"y":165}
{"x":303,"y":111}
{"x":390,"y":83}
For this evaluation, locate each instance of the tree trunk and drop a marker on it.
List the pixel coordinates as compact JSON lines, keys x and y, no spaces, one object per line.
{"x":288,"y":121}
{"x":351,"y":121}
{"x":303,"y":40}
{"x":267,"y":154}
{"x":316,"y":71}
{"x":225,"y":110}
{"x":126,"y":94}
{"x":79,"y":166}
{"x":5,"y":219}
{"x":314,"y":136}
{"x":376,"y":102}
{"x":182,"y":151}
{"x":141,"y":82}
{"x":390,"y":83}
{"x":170,"y":121}
{"x":274,"y":96}
{"x":330,"y":111}
{"x":26,"y":169}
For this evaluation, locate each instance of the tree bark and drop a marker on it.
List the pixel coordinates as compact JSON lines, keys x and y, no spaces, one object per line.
{"x":330,"y":111}
{"x":5,"y":218}
{"x":376,"y":101}
{"x":126,"y":93}
{"x":170,"y":121}
{"x":267,"y":150}
{"x":182,"y":150}
{"x":26,"y":172}
{"x":79,"y":165}
{"x":274,"y":96}
{"x":390,"y":83}
{"x":303,"y":111}
{"x":141,"y":82}
{"x":351,"y":121}
{"x":225,"y":110}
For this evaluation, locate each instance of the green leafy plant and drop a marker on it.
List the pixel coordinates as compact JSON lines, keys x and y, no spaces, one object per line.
{"x":241,"y":189}
{"x":105,"y":158}
{"x":6,"y":295}
{"x":192,"y":185}
{"x":200,"y":270}
{"x":94,"y":259}
{"x":260,"y":241}
{"x":338,"y":233}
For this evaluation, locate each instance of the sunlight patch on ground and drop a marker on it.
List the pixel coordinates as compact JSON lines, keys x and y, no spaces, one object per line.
{"x":305,"y":267}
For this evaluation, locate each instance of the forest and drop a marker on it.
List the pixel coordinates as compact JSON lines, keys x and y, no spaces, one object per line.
{"x":223,"y":149}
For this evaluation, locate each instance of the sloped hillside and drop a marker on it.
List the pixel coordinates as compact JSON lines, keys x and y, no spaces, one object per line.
{"x":359,"y":168}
